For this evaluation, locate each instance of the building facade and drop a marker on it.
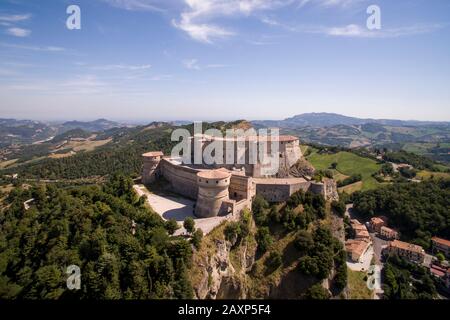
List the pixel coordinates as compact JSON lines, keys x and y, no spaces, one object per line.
{"x":441,"y":245}
{"x":409,"y":251}
{"x":221,"y":189}
{"x":388,"y":233}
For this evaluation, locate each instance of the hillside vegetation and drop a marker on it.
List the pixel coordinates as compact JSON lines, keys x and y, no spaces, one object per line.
{"x":89,"y":227}
{"x":418,"y":210}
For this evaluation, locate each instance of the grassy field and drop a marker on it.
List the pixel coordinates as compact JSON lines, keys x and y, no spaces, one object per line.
{"x":349,"y":189}
{"x":357,"y":286}
{"x":348,"y":164}
{"x":424,"y":174}
{"x":7,"y":163}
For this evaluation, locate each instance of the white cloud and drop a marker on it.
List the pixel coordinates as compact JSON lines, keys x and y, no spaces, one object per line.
{"x":356,"y":31}
{"x":137,"y":5}
{"x":191,"y":64}
{"x":330,"y":3}
{"x":123,"y":67}
{"x":18,"y":32}
{"x":14,"y":17}
{"x":196,"y":18}
{"x":32,"y":48}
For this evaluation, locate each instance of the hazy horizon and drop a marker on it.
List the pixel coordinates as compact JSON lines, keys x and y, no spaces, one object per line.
{"x":224,"y":59}
{"x":149,"y":120}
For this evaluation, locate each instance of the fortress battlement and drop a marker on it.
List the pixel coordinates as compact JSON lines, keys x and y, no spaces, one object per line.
{"x":229,"y":188}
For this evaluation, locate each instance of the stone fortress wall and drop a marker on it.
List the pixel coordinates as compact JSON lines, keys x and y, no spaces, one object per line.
{"x":228,"y":189}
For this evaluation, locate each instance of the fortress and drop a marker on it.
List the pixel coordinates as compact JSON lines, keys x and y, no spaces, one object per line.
{"x":228,"y":188}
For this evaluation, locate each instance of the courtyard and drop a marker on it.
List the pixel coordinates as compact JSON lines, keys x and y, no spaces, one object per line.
{"x":178,"y":208}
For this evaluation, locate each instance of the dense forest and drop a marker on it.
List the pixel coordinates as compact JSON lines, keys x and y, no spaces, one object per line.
{"x":418,"y":210}
{"x":90,"y":227}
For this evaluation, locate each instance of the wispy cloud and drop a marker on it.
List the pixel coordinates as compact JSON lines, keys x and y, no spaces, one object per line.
{"x":18,"y":32}
{"x":138,"y":5}
{"x":123,"y":67}
{"x":32,"y":48}
{"x":196,"y":19}
{"x":355,"y":31}
{"x":193,"y":64}
{"x":330,"y":3}
{"x":14,"y":17}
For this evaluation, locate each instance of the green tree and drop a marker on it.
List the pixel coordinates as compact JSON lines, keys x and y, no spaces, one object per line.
{"x":263,"y":239}
{"x":303,"y":241}
{"x":440,"y":257}
{"x":339,"y":208}
{"x":197,"y":238}
{"x":171,"y":226}
{"x":317,"y":292}
{"x":189,"y":225}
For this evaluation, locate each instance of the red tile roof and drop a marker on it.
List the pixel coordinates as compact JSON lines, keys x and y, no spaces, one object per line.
{"x":406,"y":246}
{"x":441,"y":241}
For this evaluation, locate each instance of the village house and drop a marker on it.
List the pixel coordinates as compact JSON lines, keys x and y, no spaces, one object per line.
{"x":376,"y":223}
{"x":409,"y":251}
{"x":356,"y":249}
{"x":388,"y":233}
{"x":360,"y":230}
{"x":441,"y":245}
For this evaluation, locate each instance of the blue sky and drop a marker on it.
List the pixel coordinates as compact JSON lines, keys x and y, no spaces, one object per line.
{"x":224,"y":59}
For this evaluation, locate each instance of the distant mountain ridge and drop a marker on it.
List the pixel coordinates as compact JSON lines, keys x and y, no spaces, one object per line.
{"x":324,"y":119}
{"x":14,"y":131}
{"x":93,"y":126}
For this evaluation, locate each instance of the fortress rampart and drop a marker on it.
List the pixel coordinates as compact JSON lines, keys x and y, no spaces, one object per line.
{"x":278,"y":190}
{"x":213,"y":194}
{"x":227,"y":189}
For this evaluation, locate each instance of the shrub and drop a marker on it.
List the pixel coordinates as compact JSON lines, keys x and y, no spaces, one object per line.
{"x":171,"y":226}
{"x":274,"y":260}
{"x":197,"y":238}
{"x":189,"y":225}
{"x":263,"y":239}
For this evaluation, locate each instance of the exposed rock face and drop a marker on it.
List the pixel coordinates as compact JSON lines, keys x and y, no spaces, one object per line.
{"x":220,"y":279}
{"x":331,"y":190}
{"x":302,"y":169}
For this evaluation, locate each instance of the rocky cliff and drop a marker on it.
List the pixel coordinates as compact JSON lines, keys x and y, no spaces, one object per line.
{"x":219,"y":268}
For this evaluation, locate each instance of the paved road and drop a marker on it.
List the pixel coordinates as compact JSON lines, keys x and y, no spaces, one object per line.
{"x":378,"y":243}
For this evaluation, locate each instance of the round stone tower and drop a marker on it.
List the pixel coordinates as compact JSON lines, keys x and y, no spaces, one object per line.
{"x":150,"y":167}
{"x":212,"y":191}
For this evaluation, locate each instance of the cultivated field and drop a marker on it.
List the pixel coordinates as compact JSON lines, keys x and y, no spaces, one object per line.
{"x":348,"y":164}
